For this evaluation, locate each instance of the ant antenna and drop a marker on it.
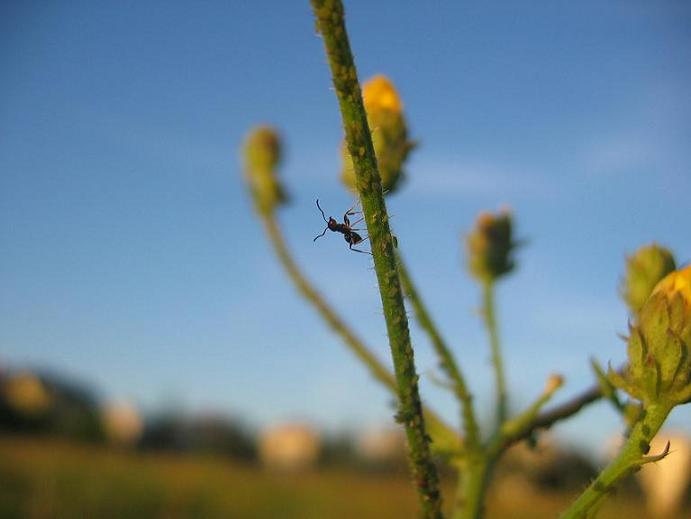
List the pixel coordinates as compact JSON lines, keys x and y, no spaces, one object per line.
{"x":327,"y":222}
{"x":320,"y":235}
{"x":322,"y":212}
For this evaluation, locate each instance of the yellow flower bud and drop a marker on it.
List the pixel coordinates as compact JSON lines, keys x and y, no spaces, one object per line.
{"x":658,"y":346}
{"x":644,"y":269}
{"x":389,"y":134}
{"x":262,"y":156}
{"x":676,"y":283}
{"x":379,"y":94}
{"x":490,"y":246}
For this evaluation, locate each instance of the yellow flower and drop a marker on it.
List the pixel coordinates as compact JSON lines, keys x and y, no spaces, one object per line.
{"x":380,"y":94}
{"x":678,"y":282}
{"x":389,"y":134}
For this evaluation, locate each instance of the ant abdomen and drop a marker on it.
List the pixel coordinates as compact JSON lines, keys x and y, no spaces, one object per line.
{"x":354,"y":238}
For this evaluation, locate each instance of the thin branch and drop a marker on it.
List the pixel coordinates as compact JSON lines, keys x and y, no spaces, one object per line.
{"x":548,"y":418}
{"x":489,"y":314}
{"x":446,"y":358}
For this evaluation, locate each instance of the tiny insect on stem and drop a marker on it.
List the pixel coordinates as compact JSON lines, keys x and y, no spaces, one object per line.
{"x":346,"y":229}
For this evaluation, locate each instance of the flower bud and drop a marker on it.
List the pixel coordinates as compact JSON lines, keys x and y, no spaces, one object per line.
{"x":554,"y":382}
{"x":262,"y":155}
{"x":644,"y":269}
{"x":490,"y":246}
{"x":389,"y":133}
{"x":658,"y":346}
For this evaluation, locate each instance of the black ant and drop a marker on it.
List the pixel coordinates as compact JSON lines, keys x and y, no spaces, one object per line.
{"x":345,"y":228}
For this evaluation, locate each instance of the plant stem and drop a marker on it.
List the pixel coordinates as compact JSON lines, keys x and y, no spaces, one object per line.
{"x":630,"y":458}
{"x":488,"y":312}
{"x":476,"y":474}
{"x":473,"y":481}
{"x":447,"y":361}
{"x":479,"y":464}
{"x":331,"y":24}
{"x":445,"y":438}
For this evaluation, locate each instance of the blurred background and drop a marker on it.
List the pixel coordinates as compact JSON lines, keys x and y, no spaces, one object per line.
{"x":154,"y":358}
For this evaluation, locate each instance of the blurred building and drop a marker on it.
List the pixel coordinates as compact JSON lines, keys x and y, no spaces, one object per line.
{"x":122,"y":423}
{"x":26,"y":393}
{"x":382,"y":446}
{"x":203,"y":434}
{"x":289,"y":446}
{"x":545,"y":466}
{"x":45,"y":403}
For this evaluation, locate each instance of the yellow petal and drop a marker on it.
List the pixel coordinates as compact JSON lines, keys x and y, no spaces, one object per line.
{"x":380,"y":94}
{"x":677,"y":282}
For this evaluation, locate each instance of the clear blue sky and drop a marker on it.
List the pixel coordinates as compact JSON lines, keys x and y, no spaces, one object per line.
{"x":131,"y":258}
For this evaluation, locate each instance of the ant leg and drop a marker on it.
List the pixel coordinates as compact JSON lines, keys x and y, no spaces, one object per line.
{"x":350,"y":246}
{"x":321,"y":211}
{"x":358,"y":250}
{"x":351,"y":211}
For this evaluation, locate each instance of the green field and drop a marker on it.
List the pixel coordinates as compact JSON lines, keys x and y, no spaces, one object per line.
{"x":41,"y":478}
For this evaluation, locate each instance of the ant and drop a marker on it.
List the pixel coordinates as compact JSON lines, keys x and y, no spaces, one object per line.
{"x":345,"y":228}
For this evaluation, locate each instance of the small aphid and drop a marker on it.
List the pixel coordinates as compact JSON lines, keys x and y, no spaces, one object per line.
{"x":346,"y":228}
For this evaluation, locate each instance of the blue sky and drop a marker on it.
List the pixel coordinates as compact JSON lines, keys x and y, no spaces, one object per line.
{"x":132,"y":259}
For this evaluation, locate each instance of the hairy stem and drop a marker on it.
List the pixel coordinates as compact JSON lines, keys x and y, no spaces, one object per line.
{"x":445,"y":438}
{"x":446,"y":359}
{"x":488,"y":312}
{"x":331,"y":23}
{"x":630,"y":458}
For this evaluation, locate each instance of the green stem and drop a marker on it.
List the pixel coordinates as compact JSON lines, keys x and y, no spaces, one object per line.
{"x":472,"y":487}
{"x":476,"y":477}
{"x":478,"y":467}
{"x":477,"y":472}
{"x":445,"y":437}
{"x":447,"y":361}
{"x":331,"y":24}
{"x":630,"y":458}
{"x":488,"y":313}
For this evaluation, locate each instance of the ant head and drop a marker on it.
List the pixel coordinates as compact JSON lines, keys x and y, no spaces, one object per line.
{"x":332,"y":223}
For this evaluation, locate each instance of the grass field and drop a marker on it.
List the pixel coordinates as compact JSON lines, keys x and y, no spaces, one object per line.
{"x":54,"y":479}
